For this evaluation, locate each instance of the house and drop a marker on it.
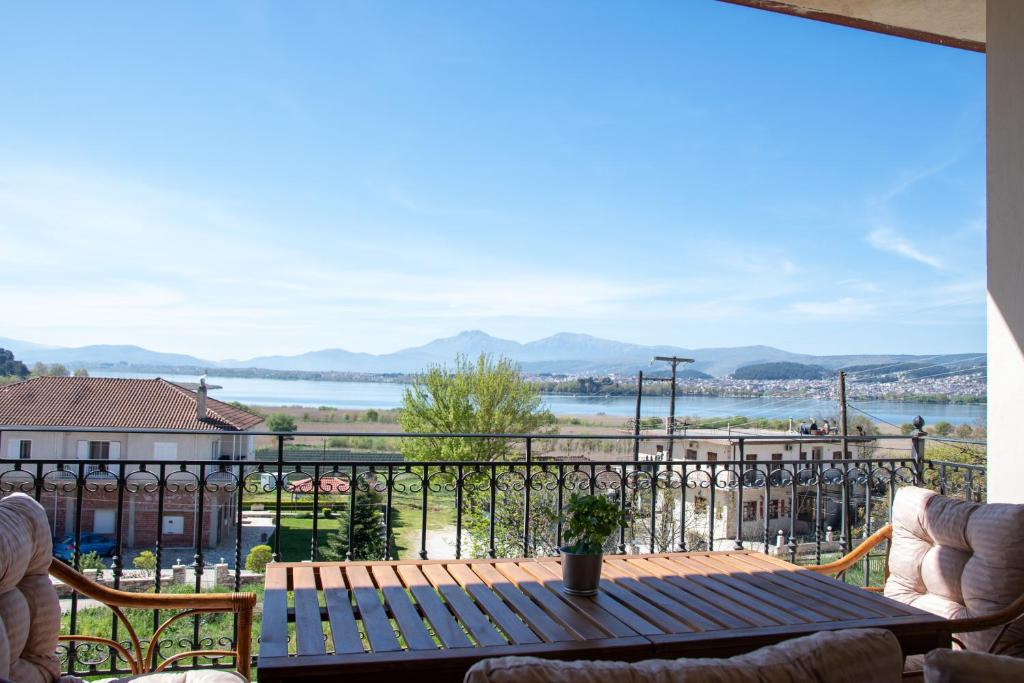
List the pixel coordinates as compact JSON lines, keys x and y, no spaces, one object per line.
{"x":100,"y":420}
{"x":768,"y":501}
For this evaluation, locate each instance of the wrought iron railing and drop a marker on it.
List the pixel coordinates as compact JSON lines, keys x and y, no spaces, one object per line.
{"x":315,"y":507}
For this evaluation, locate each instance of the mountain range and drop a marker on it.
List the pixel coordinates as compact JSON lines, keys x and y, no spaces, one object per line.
{"x":562,"y":353}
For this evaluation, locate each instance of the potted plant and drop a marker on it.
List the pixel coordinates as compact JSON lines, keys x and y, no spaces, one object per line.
{"x":589,"y":520}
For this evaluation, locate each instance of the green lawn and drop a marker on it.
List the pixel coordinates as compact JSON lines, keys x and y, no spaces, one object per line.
{"x":296,"y":534}
{"x":855,"y":574}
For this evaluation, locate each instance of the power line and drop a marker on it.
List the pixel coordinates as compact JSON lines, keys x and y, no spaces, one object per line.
{"x":873,"y":417}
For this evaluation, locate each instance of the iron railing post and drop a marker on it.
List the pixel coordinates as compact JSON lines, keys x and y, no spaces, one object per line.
{"x":917,"y":449}
{"x":278,"y":488}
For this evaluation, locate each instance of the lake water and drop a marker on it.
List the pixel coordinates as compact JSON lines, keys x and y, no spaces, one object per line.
{"x":365,"y":395}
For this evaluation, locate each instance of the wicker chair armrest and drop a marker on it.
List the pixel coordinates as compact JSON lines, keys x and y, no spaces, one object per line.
{"x":851,"y":558}
{"x":222,"y":602}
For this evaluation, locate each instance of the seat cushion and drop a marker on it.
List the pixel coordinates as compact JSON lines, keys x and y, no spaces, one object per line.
{"x":196,"y":676}
{"x":851,"y":656}
{"x":958,"y":559}
{"x":29,"y":609}
{"x":958,"y":666}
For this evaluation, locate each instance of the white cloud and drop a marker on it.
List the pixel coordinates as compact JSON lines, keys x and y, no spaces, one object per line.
{"x":885,"y":239}
{"x":845,"y":307}
{"x":97,"y":259}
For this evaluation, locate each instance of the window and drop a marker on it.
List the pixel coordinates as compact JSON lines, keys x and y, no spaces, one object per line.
{"x":776,"y":509}
{"x":173,"y":525}
{"x":98,"y":450}
{"x":837,"y":455}
{"x":803,"y":455}
{"x":712,"y":457}
{"x":776,"y":456}
{"x":166,"y":450}
{"x":691,"y":454}
{"x":750,"y":511}
{"x":103,"y":521}
{"x":700,"y":505}
{"x":19,"y":448}
{"x":751,"y":456}
{"x":816,"y":453}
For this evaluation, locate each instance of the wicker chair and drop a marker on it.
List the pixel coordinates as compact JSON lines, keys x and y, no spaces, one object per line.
{"x":958,"y":559}
{"x":30,"y":610}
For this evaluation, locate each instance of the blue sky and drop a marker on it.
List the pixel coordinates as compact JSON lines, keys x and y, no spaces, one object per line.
{"x":231,"y":179}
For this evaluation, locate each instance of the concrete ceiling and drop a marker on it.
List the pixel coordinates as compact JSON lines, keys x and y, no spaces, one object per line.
{"x":957,"y":23}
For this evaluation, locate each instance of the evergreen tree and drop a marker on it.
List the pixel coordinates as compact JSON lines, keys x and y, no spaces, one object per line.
{"x":369,"y":540}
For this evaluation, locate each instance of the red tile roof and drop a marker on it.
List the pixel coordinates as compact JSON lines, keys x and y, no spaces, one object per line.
{"x":114,"y":402}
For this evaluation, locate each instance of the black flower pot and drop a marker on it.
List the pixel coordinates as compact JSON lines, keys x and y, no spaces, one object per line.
{"x":581,"y":572}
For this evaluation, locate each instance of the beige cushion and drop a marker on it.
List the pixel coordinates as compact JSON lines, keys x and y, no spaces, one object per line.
{"x":960,"y":666}
{"x":197,"y":676}
{"x":958,"y":559}
{"x":853,"y":656}
{"x":29,"y":609}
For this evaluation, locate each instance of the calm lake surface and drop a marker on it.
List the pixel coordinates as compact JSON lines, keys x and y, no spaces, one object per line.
{"x":365,"y":395}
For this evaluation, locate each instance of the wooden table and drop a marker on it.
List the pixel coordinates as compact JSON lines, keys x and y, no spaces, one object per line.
{"x":436,"y":618}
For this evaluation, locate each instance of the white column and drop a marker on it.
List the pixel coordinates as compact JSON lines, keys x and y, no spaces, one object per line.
{"x":1005,"y":83}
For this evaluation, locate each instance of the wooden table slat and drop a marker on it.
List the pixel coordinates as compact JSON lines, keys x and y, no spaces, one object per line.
{"x":767,"y":581}
{"x":492,"y":603}
{"x":309,"y":633}
{"x":852,"y":593}
{"x":274,"y":629}
{"x":405,"y":613}
{"x":537,"y":618}
{"x":371,"y":611}
{"x":473,"y":619}
{"x":728,"y":601}
{"x":657,"y":577}
{"x":582,"y":625}
{"x":694,"y":621}
{"x":841,"y":608}
{"x":764,"y":601}
{"x":442,"y":616}
{"x":344,"y":630}
{"x":444,"y":624}
{"x":612,"y":616}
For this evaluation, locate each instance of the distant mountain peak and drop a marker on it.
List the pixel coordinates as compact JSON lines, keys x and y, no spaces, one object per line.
{"x":560,"y":353}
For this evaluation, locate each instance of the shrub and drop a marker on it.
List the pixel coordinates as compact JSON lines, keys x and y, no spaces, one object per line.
{"x":145,"y":560}
{"x":258,"y":558}
{"x":91,"y":561}
{"x":281,"y":422}
{"x":327,"y":513}
{"x":302,"y":514}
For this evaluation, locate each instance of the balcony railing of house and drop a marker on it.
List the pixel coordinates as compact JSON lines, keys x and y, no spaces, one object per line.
{"x":308,"y":498}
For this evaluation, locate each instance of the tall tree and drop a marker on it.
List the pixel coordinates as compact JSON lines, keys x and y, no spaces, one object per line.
{"x":482,"y":397}
{"x":369,"y":534}
{"x":474,"y":397}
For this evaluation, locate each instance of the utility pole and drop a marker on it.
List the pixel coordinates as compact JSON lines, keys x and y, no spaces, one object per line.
{"x":675,"y":361}
{"x":636,"y":423}
{"x":843,"y":427}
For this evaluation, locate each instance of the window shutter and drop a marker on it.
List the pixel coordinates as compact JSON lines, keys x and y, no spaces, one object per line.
{"x":14,"y":448}
{"x":115,"y":450}
{"x":83,"y":450}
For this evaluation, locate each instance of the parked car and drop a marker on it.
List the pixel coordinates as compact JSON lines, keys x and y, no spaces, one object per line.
{"x":101,"y":544}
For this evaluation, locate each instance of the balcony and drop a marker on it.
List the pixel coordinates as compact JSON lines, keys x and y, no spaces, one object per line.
{"x":201,"y":518}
